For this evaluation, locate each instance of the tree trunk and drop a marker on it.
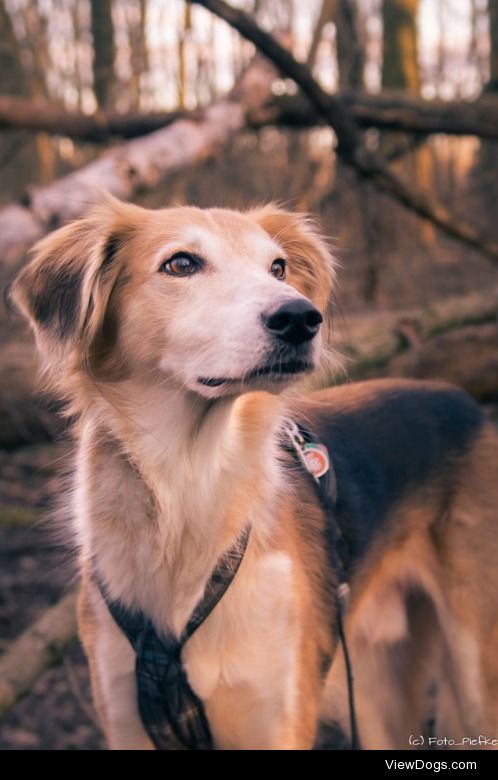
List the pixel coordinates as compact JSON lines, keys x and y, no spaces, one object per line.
{"x":183,"y":37}
{"x":400,"y":51}
{"x":400,"y":71}
{"x":350,"y":54}
{"x":328,"y":11}
{"x":139,"y":56}
{"x":19,"y":160}
{"x":483,"y":183}
{"x":492,"y":85}
{"x":103,"y":52}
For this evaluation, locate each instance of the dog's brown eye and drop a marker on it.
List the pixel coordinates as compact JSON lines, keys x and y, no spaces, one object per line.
{"x":278,"y":268}
{"x":181,"y":264}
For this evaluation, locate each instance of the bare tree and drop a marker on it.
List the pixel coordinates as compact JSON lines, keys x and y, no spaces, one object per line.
{"x":400,"y":53}
{"x":138,"y":52}
{"x":492,"y":85}
{"x":183,"y":36}
{"x":103,"y":51}
{"x":400,"y":70}
{"x":482,"y":181}
{"x":350,"y":54}
{"x":19,"y":153}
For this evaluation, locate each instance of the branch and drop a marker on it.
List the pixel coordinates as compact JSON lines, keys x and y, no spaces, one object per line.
{"x":42,"y":116}
{"x":350,"y":145}
{"x":39,"y":647}
{"x":391,"y":111}
{"x":388,"y":110}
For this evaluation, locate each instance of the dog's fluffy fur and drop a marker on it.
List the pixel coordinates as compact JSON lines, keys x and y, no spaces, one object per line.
{"x":169,"y":469}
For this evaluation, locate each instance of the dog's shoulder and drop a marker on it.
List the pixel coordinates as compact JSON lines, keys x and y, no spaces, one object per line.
{"x":391,"y":442}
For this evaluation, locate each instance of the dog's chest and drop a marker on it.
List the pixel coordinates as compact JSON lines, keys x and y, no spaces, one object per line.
{"x":245,"y":657}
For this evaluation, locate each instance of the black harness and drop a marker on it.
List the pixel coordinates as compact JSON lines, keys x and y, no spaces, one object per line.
{"x":171,"y":712}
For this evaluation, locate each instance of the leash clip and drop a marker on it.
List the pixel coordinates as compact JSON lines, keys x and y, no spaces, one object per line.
{"x":313,"y":456}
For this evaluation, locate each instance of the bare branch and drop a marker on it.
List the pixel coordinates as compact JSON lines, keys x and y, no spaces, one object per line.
{"x":387,"y":111}
{"x":42,"y":116}
{"x":390,"y":110}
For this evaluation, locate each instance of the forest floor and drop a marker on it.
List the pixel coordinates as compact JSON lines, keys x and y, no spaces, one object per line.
{"x":36,"y":569}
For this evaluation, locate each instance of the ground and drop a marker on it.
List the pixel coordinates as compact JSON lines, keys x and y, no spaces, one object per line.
{"x":35,"y":571}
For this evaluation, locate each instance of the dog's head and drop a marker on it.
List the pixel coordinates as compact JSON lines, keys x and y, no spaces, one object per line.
{"x":216,"y":301}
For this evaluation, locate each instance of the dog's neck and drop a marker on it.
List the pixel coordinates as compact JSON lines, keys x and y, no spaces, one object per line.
{"x":211,"y":467}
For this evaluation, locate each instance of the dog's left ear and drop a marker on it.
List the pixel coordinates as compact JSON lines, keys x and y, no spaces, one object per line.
{"x":64,"y":289}
{"x":311,"y":263}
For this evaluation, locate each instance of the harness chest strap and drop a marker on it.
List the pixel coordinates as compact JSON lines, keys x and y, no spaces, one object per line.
{"x":171,"y":712}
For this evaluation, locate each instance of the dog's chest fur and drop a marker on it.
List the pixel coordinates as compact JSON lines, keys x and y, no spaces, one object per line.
{"x":157,"y":540}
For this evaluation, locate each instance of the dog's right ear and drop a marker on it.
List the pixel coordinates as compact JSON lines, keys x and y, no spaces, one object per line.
{"x":64,"y":289}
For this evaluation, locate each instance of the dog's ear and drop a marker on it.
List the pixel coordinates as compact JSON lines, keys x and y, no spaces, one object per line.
{"x":311,"y":263}
{"x":64,"y":289}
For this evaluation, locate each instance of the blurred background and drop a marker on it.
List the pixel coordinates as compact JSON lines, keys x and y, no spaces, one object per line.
{"x":161,"y":102}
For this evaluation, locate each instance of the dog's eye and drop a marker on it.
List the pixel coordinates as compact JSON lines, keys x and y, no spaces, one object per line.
{"x":181,"y":264}
{"x":278,"y":268}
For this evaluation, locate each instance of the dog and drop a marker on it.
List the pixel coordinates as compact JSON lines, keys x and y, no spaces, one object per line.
{"x":181,"y":340}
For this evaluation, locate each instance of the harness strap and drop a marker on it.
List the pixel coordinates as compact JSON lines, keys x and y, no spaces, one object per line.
{"x":172,"y":713}
{"x":315,"y":459}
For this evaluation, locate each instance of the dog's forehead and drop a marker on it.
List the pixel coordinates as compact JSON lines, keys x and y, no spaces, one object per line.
{"x":214,"y":233}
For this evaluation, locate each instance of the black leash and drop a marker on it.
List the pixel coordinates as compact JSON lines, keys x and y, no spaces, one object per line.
{"x":315,"y":458}
{"x":355,"y":742}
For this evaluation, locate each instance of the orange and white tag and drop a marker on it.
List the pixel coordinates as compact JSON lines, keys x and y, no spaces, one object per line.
{"x":316,"y":459}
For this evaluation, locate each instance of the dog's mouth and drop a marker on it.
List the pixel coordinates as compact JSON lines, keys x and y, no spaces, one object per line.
{"x":273,"y":371}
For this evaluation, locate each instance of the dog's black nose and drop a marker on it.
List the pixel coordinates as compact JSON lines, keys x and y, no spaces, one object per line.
{"x":295,"y":321}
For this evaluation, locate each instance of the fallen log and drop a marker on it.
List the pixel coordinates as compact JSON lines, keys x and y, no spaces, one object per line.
{"x":390,"y":110}
{"x":387,"y":110}
{"x":40,"y":646}
{"x":43,"y":116}
{"x":132,"y":167}
{"x":454,"y":339}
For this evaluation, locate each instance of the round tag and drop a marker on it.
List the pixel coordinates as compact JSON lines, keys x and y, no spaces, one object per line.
{"x":316,"y":457}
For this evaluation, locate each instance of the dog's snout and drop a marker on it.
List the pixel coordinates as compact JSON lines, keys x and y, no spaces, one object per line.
{"x":295,"y":321}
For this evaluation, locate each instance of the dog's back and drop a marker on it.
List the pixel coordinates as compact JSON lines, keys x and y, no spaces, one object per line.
{"x":416,"y":465}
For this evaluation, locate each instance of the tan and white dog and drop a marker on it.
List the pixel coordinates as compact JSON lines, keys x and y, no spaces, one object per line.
{"x":172,"y":334}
